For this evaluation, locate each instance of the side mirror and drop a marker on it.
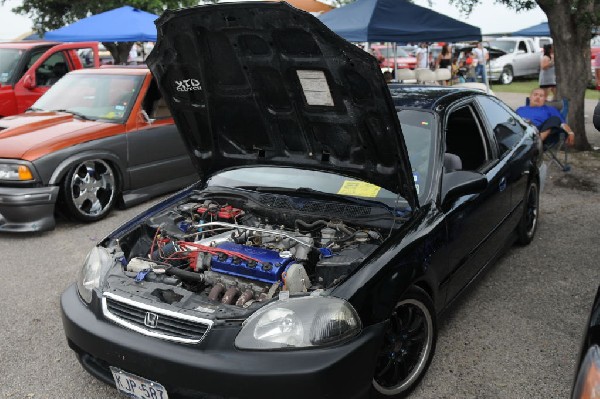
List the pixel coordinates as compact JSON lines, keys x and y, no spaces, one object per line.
{"x":29,"y":82}
{"x":459,"y":183}
{"x":146,"y":118}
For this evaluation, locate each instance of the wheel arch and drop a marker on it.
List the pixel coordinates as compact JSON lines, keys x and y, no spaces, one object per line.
{"x":112,"y":159}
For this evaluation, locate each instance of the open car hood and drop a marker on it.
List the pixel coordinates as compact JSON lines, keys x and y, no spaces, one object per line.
{"x":266,"y":83}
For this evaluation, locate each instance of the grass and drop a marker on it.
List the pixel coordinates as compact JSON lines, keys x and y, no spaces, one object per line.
{"x":525,"y":86}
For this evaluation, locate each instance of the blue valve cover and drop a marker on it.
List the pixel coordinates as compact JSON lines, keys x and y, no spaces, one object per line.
{"x":268,"y":270}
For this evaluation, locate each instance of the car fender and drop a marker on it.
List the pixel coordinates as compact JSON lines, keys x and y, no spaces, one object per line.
{"x":64,"y":166}
{"x":414,"y":257}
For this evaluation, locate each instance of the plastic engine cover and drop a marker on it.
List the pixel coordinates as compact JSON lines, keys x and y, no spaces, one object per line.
{"x":268,"y":270}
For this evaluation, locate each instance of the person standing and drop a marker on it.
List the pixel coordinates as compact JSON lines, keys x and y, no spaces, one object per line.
{"x":482,"y":55}
{"x":547,"y":73}
{"x":422,"y":58}
{"x":444,"y":60}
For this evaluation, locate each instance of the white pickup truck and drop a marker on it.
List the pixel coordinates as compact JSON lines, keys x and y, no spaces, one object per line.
{"x":513,"y":56}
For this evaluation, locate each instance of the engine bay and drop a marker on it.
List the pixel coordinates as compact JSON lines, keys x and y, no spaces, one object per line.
{"x":220,"y":252}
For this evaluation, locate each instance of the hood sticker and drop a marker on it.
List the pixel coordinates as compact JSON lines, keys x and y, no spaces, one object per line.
{"x":359,"y":189}
{"x":186,"y":85}
{"x":315,"y":88}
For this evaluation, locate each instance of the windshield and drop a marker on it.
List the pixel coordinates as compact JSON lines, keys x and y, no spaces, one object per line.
{"x":418,"y":129}
{"x":93,"y":96}
{"x":9,"y":58}
{"x":505,"y":45}
{"x":388,"y":51}
{"x":293,"y":178}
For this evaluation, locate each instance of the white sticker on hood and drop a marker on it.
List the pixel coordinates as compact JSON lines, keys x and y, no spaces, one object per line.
{"x":188,"y":85}
{"x":315,"y":88}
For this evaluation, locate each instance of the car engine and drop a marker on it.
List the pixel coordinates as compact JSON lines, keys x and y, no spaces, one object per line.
{"x":229,"y":255}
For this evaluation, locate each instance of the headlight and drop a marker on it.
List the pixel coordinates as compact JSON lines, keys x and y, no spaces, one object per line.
{"x":15,"y":172}
{"x":94,"y":268}
{"x":587,"y":384}
{"x":299,"y":323}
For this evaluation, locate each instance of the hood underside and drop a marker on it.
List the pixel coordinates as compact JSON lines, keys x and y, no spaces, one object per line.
{"x":265,"y":83}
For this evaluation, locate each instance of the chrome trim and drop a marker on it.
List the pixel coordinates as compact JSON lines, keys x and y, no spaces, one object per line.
{"x":153,"y":309}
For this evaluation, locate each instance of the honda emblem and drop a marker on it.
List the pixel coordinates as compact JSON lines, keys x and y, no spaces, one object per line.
{"x":151,"y":320}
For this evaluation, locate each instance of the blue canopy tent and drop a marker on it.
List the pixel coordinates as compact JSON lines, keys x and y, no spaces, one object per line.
{"x":537,"y":30}
{"x":396,"y":21}
{"x":124,"y":24}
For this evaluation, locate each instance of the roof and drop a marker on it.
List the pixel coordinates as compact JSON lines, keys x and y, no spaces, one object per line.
{"x":115,"y":70}
{"x":26,"y":44}
{"x":426,"y":97}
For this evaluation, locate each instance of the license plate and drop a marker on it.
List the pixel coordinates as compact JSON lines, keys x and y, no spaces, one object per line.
{"x":137,"y":387}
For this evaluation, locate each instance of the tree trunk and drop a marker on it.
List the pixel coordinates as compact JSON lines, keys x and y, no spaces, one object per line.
{"x":119,"y":51}
{"x":572,"y":54}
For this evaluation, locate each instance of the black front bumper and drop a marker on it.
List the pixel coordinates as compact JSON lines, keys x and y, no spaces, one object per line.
{"x":27,"y":209}
{"x":215,"y":368}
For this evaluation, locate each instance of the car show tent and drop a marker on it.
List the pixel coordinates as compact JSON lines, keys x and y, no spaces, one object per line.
{"x":396,"y":21}
{"x":124,"y":24}
{"x":537,"y":30}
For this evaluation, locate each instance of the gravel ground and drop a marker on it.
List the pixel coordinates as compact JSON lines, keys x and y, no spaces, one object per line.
{"x":515,"y":334}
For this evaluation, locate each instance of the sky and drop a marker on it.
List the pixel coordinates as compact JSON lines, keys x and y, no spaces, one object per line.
{"x":490,"y":17}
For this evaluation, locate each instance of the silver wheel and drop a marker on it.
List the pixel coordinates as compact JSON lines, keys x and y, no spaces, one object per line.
{"x":90,"y":190}
{"x":506,"y":77}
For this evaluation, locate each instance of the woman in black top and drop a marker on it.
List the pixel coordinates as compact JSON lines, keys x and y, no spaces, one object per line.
{"x":444,"y":60}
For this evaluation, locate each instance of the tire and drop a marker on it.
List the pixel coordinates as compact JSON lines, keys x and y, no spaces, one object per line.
{"x":507,"y":75}
{"x":89,"y":190}
{"x":408,"y":346}
{"x":529,"y":220}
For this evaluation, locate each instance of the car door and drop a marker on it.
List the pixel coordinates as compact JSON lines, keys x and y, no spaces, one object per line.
{"x":508,"y":134}
{"x":157,"y":154}
{"x":44,"y":72}
{"x":522,"y":59}
{"x":473,"y":221}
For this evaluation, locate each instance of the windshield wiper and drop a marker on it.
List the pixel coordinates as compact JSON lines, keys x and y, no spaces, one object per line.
{"x":75,"y":113}
{"x":34,"y":109}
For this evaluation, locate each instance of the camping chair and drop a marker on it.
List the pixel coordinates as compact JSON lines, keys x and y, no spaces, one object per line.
{"x":551,"y":150}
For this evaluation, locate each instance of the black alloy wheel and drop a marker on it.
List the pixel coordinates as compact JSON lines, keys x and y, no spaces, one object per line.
{"x":529,"y":220}
{"x":89,"y":190}
{"x":408,"y":347}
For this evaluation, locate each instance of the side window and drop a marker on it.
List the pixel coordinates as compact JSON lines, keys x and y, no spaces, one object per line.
{"x":154,"y":104}
{"x":51,"y":70}
{"x":505,"y":126}
{"x":465,"y":139}
{"x":522,"y":46}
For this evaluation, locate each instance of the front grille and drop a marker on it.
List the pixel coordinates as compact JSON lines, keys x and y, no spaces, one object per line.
{"x":163,"y":324}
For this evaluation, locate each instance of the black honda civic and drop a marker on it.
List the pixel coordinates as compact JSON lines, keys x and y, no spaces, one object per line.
{"x":335,"y":220}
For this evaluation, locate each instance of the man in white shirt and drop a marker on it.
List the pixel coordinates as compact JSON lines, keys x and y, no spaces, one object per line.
{"x":421,"y":53}
{"x":483,"y":57}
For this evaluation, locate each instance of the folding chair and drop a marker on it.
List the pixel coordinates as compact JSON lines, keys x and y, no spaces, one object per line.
{"x":551,"y":150}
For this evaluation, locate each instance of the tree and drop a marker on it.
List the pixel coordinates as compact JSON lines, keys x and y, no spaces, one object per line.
{"x":571,"y":23}
{"x":49,"y":15}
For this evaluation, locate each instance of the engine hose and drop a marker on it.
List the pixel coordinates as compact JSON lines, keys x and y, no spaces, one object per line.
{"x":344,"y":239}
{"x":303,"y":226}
{"x":183,"y":274}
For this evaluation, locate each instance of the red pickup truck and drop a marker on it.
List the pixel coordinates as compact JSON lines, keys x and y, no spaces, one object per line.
{"x":28,"y":69}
